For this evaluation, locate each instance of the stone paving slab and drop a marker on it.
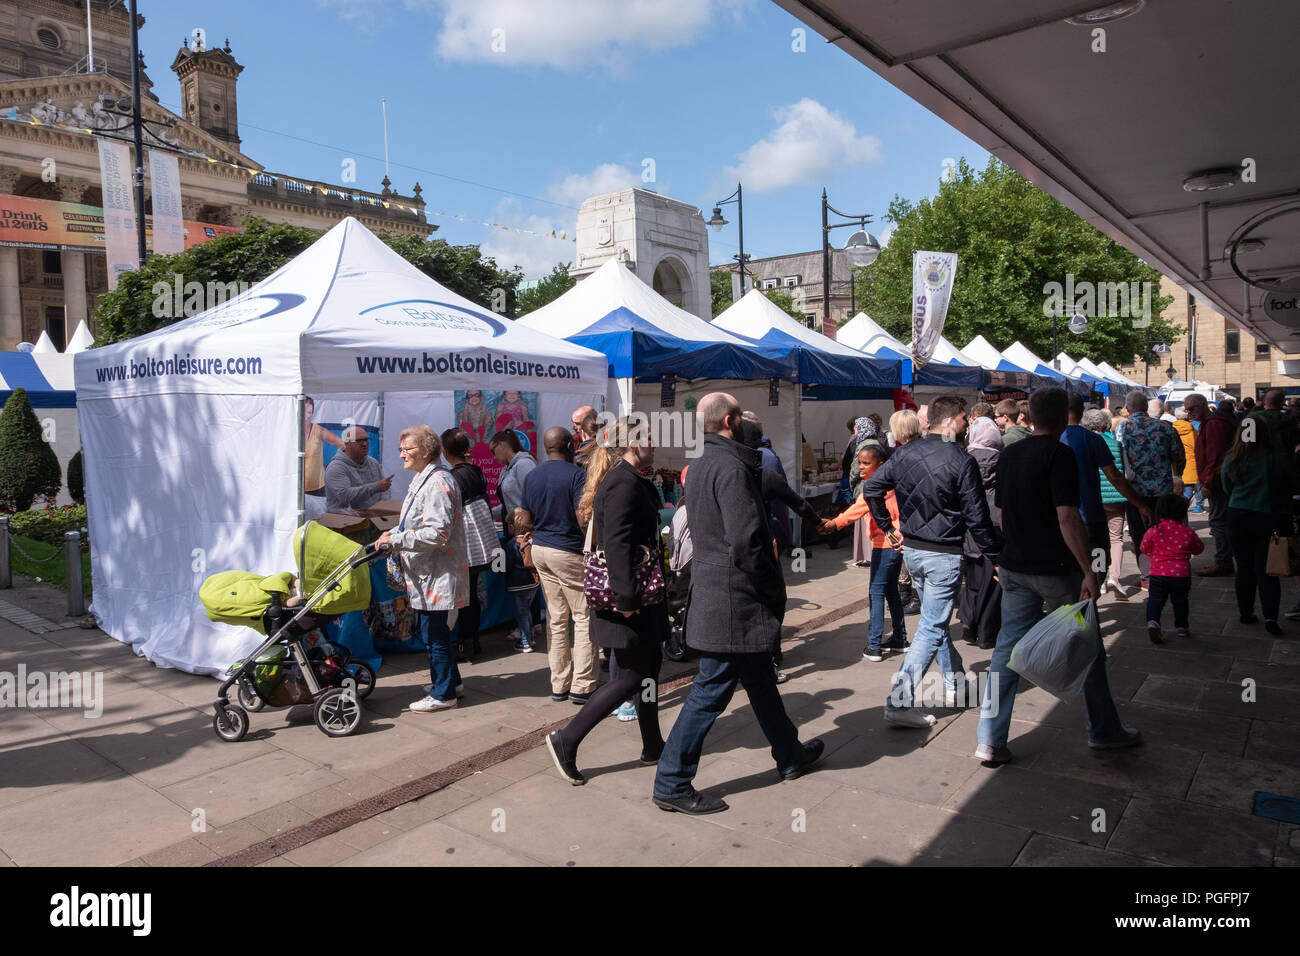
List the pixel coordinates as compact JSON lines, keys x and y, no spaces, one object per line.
{"x":879,"y":796}
{"x":1188,"y":834}
{"x":1043,"y":850}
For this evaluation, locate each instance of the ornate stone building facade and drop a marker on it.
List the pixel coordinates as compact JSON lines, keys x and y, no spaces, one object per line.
{"x":51,"y":115}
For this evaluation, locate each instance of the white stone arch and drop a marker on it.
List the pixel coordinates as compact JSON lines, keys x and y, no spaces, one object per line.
{"x":672,"y":280}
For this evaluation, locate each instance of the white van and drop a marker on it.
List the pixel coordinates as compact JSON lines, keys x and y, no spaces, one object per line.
{"x":1174,"y":393}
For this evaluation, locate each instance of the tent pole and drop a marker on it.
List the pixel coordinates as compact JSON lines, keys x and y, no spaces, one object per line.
{"x":627,"y":393}
{"x":302,"y":487}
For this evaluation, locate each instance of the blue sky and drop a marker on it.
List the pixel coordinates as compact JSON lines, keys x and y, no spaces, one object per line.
{"x":513,"y":111}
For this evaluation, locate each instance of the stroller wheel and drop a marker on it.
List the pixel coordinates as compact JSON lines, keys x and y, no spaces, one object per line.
{"x":337,"y":712}
{"x":364,"y":676}
{"x":230,"y":723}
{"x":248,"y":698}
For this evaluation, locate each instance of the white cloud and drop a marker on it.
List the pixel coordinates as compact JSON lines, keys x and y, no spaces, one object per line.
{"x":605,"y":178}
{"x":810,"y":143}
{"x":535,"y":255}
{"x":566,"y":34}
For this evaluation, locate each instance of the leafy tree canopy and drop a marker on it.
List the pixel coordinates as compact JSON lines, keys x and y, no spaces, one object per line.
{"x":547,"y":290}
{"x":1012,"y":240}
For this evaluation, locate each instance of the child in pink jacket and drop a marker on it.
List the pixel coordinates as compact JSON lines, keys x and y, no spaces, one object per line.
{"x":1170,"y":545}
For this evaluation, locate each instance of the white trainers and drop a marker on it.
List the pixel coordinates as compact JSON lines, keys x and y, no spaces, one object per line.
{"x":910,"y":717}
{"x":429,"y":704}
{"x":460,"y":689}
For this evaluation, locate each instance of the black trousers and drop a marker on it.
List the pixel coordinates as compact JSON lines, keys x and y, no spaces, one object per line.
{"x":468,"y":620}
{"x":1249,"y":533}
{"x":1162,"y":589}
{"x":635,"y":676}
{"x":981,"y":601}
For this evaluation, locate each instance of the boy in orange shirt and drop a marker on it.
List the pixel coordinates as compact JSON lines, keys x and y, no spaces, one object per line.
{"x":886,"y":562}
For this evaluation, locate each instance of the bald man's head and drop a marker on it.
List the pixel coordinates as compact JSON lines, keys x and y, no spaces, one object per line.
{"x":584,"y":421}
{"x":717,"y":414}
{"x":558,"y":443}
{"x":1273,"y":399}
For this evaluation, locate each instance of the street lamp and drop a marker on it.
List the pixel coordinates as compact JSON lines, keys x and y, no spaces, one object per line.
{"x":861,"y":250}
{"x":717,"y":222}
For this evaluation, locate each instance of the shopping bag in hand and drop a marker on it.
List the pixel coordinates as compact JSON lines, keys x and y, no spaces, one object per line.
{"x":1058,"y":651}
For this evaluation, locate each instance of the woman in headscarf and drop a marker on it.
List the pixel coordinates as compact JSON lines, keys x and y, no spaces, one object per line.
{"x":865,"y":435}
{"x":980,"y":609}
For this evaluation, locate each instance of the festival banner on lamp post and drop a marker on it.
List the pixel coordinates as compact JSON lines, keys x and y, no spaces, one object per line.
{"x":168,"y":220}
{"x":932,"y":277}
{"x":119,"y":209}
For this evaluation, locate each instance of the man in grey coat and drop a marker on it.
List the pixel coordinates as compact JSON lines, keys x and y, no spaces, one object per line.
{"x":737,"y":604}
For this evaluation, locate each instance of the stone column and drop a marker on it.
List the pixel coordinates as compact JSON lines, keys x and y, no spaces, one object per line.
{"x":11,"y":308}
{"x":74,"y":289}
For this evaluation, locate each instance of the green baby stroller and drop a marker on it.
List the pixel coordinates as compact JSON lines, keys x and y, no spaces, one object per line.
{"x":286,"y":669}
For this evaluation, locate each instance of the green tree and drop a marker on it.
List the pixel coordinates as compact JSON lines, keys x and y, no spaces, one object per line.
{"x":720,"y":285}
{"x":547,"y":290}
{"x":1012,"y":240}
{"x":28,"y":466}
{"x":136,"y":307}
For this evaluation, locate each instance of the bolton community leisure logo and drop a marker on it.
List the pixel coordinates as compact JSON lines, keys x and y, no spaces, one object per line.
{"x":426,"y":313}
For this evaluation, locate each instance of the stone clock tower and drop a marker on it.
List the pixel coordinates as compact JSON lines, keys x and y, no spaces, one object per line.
{"x":208,"y":79}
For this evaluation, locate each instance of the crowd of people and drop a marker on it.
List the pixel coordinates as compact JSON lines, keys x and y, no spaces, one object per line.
{"x":1000,"y":514}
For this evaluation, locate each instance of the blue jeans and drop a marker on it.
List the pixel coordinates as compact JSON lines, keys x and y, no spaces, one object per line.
{"x":886,"y":563}
{"x":709,"y":696}
{"x":524,"y":612}
{"x":1024,"y":597}
{"x":1193,"y":494}
{"x":443,"y":671}
{"x":937,"y":576}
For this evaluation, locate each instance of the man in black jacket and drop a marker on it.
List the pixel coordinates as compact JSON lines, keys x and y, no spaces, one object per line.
{"x":737,"y":605}
{"x":940,"y":498}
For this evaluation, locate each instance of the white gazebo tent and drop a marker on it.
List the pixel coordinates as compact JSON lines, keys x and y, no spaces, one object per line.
{"x":949,"y":371}
{"x":858,"y":384}
{"x":646,"y":337}
{"x":195,"y":435}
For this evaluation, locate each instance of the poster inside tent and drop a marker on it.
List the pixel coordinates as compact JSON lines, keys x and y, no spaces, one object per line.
{"x":323,"y":424}
{"x":481,"y":413}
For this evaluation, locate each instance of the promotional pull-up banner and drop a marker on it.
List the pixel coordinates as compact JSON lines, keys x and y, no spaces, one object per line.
{"x":168,"y":220}
{"x":932,"y":276}
{"x":119,"y":209}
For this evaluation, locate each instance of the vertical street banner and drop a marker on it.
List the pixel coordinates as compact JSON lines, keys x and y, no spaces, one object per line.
{"x":168,"y":219}
{"x":932,"y":277}
{"x":119,"y":209}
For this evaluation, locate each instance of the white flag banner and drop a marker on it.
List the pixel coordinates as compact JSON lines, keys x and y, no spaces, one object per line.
{"x":932,"y":276}
{"x":168,"y":224}
{"x":119,"y":209}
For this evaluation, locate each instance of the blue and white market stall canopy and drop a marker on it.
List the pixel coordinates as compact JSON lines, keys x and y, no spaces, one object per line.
{"x":947,"y":368}
{"x":644,"y":336}
{"x":822,"y":361}
{"x":998,"y":364}
{"x":46,"y":376}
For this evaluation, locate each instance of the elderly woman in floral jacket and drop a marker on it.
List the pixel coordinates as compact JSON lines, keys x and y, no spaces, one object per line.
{"x":429,"y":543}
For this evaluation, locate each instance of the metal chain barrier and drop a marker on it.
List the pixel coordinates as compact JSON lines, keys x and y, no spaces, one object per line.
{"x":17,"y":547}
